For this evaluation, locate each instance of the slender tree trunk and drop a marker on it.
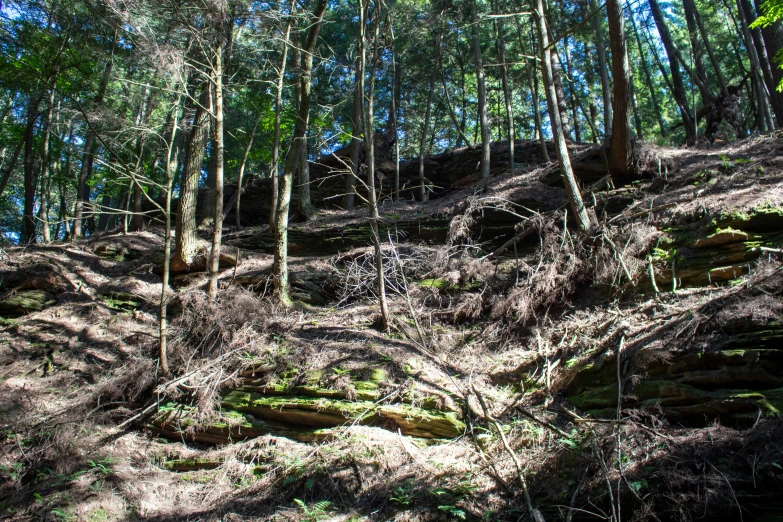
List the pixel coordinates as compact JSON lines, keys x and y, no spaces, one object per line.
{"x":621,"y":143}
{"x":773,"y":43}
{"x":708,"y":47}
{"x":678,"y":88}
{"x":187,"y":241}
{"x":369,"y":148}
{"x":12,"y":163}
{"x":571,"y":90}
{"x":603,"y":68}
{"x":481,"y":87}
{"x":532,"y":80}
{"x":697,"y":51}
{"x":30,"y":182}
{"x":423,"y":196}
{"x":45,"y":172}
{"x":83,"y":189}
{"x":458,"y":126}
{"x":572,"y":189}
{"x":306,"y":208}
{"x":295,"y":155}
{"x":241,"y":174}
{"x":138,"y":195}
{"x":171,"y":168}
{"x":349,"y":199}
{"x":562,"y":106}
{"x":217,"y":219}
{"x":763,"y":76}
{"x":499,"y":27}
{"x":274,"y":169}
{"x":647,"y":76}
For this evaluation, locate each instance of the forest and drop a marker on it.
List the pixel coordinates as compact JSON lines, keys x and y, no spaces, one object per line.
{"x":391,"y":260}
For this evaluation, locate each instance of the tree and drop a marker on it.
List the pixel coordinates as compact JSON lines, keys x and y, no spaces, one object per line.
{"x":482,"y":92}
{"x":621,"y":142}
{"x":572,"y":189}
{"x":297,"y":154}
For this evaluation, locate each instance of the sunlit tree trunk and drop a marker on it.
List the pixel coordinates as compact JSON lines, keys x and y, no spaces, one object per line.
{"x":572,"y":189}
{"x":481,"y":88}
{"x":296,"y":152}
{"x":186,"y":244}
{"x":621,"y":143}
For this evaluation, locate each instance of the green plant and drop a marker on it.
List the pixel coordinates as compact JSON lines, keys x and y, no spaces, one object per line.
{"x":405,"y":493}
{"x":453,"y":511}
{"x":63,"y":514}
{"x":316,"y":511}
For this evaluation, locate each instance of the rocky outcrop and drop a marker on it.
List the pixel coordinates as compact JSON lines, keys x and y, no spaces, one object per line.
{"x":299,"y":407}
{"x":736,"y":382}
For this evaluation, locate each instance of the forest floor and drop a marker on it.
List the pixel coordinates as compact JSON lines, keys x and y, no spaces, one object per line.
{"x":495,"y":392}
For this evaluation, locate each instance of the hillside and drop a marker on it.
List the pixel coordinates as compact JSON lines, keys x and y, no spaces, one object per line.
{"x":498,"y":395}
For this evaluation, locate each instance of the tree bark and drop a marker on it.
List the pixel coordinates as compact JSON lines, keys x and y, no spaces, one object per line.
{"x":349,"y":199}
{"x":481,"y":87}
{"x":499,"y":27}
{"x":186,"y":244}
{"x":296,"y":152}
{"x":45,"y":171}
{"x":138,"y":195}
{"x":217,"y":217}
{"x":621,"y":142}
{"x":678,"y":88}
{"x":697,"y":50}
{"x":423,"y":141}
{"x":773,"y":43}
{"x":762,"y":74}
{"x":273,"y":171}
{"x":82,"y":188}
{"x":572,"y":189}
{"x":369,"y":148}
{"x":603,"y":68}
{"x":647,"y":76}
{"x":28,"y":234}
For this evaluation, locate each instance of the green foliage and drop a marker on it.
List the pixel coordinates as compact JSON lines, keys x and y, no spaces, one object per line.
{"x":314,"y":512}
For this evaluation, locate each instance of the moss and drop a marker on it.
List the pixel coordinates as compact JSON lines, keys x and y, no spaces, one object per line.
{"x":600,"y":397}
{"x":324,"y":413}
{"x":25,"y":302}
{"x":194,"y":464}
{"x":122,"y":300}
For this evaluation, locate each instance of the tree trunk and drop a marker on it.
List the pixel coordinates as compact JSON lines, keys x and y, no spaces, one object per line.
{"x":28,"y":220}
{"x":762,"y":74}
{"x":647,"y":76}
{"x":423,"y":141}
{"x":571,"y":90}
{"x":697,"y":50}
{"x":187,"y":241}
{"x":506,"y":89}
{"x":621,"y":142}
{"x":369,"y":149}
{"x":603,"y":68}
{"x":306,"y":208}
{"x":172,"y":155}
{"x":482,"y":93}
{"x":298,"y":144}
{"x":241,"y":174}
{"x":773,"y":43}
{"x":532,"y":80}
{"x":349,"y":199}
{"x":562,"y":106}
{"x":82,"y":188}
{"x":224,"y":28}
{"x":45,"y":171}
{"x":678,"y":88}
{"x":138,"y":195}
{"x":273,"y":171}
{"x":572,"y":189}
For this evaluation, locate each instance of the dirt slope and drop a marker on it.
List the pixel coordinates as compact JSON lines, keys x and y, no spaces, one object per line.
{"x":315,"y":414}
